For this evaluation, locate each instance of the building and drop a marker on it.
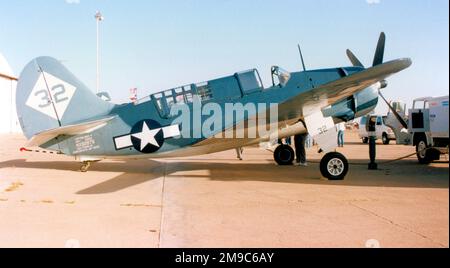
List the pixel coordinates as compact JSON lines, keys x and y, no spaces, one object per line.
{"x":8,"y":116}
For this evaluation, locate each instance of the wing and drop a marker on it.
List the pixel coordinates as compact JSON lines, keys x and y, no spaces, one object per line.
{"x":327,"y":94}
{"x":83,"y":128}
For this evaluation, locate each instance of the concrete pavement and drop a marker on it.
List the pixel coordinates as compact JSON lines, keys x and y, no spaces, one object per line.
{"x":218,"y":201}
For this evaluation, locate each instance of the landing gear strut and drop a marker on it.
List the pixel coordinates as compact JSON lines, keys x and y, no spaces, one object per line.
{"x":334,"y":166}
{"x":85,"y":166}
{"x":372,"y":153}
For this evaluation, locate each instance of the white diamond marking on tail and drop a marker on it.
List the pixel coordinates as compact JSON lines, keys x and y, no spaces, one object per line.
{"x":61,"y":95}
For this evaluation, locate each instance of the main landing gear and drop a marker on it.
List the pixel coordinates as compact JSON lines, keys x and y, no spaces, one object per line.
{"x":333,"y":166}
{"x":284,"y":155}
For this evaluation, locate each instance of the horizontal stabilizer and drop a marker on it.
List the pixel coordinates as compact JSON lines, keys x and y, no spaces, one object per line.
{"x":71,"y":130}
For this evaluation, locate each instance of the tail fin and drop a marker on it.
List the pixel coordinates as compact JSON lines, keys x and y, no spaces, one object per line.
{"x":49,"y":96}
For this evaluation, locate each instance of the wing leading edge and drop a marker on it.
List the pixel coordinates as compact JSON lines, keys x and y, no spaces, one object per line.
{"x":330,"y":93}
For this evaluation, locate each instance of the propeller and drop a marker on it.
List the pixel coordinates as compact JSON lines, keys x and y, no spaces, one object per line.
{"x":377,"y":60}
{"x":354,"y":59}
{"x":379,"y":53}
{"x":397,"y":115}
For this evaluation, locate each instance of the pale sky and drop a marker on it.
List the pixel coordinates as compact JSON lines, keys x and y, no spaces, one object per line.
{"x":156,"y":45}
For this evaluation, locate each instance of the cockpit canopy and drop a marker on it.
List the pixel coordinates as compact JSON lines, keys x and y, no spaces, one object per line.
{"x":222,"y":89}
{"x":280,"y":77}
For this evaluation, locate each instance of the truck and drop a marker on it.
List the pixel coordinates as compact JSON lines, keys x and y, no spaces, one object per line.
{"x":383,"y":132}
{"x":428,"y":122}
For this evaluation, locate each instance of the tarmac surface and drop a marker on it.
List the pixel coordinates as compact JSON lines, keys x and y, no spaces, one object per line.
{"x":218,"y":201}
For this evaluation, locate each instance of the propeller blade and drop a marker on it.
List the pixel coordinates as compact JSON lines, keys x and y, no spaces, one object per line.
{"x":399,"y":118}
{"x":379,"y":53}
{"x":354,"y":59}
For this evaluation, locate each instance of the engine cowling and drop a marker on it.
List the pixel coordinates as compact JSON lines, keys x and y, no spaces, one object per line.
{"x":355,"y":106}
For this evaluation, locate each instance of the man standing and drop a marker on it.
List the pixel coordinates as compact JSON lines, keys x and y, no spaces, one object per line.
{"x":341,"y":129}
{"x":300,"y":152}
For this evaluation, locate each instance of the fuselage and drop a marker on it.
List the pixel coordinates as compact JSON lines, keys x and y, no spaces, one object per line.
{"x":210,"y":102}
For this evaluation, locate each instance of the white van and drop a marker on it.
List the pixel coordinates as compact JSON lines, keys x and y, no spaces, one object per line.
{"x":385,"y":133}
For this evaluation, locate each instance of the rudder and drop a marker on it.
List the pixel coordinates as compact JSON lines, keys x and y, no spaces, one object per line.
{"x":49,"y":96}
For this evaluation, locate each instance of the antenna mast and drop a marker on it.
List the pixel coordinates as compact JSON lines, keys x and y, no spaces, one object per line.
{"x":301,"y":57}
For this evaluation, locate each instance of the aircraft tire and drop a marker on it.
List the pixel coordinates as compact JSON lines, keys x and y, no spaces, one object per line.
{"x":284,"y":155}
{"x":334,"y":166}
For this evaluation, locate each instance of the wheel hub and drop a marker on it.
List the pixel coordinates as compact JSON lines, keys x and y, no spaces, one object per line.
{"x":421,"y":148}
{"x":335,"y":166}
{"x":285,"y":155}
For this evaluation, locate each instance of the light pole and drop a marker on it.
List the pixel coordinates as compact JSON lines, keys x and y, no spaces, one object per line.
{"x":98,"y":18}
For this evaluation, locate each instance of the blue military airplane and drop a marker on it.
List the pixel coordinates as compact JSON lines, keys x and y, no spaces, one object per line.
{"x":58,"y":112}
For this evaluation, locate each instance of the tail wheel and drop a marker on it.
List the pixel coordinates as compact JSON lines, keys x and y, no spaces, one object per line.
{"x":385,"y":139}
{"x":85,"y":166}
{"x":284,"y":155}
{"x":421,"y":151}
{"x":334,"y":166}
